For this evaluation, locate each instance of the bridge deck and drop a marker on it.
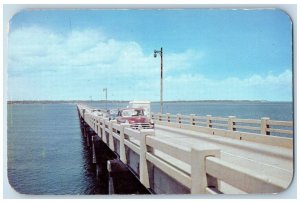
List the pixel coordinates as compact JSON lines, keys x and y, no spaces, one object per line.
{"x":272,"y":161}
{"x":238,"y":151}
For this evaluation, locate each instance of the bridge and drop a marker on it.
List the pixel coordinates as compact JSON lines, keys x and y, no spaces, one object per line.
{"x":189,"y":154}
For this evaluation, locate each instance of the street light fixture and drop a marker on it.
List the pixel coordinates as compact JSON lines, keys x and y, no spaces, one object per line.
{"x":105,"y":89}
{"x":161,"y":76}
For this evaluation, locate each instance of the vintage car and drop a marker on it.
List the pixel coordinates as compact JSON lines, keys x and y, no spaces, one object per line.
{"x":97,"y":112}
{"x":112,"y":114}
{"x":135,"y":117}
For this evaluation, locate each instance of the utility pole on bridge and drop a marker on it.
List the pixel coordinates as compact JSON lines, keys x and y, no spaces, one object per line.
{"x":161,"y":76}
{"x":105,"y":89}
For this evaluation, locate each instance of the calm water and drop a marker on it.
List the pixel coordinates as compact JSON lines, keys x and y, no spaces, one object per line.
{"x":253,"y":110}
{"x":46,"y":153}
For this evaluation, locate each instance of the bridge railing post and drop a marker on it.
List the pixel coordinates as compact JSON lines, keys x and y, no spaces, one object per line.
{"x":83,"y":112}
{"x":178,"y":118}
{"x":192,"y":119}
{"x":111,"y":138}
{"x":100,"y":127}
{"x":168,"y":117}
{"x":198,"y":169}
{"x":144,"y":173}
{"x":104,"y":139}
{"x":97,"y":125}
{"x":264,"y":126}
{"x":87,"y":118}
{"x":208,"y":121}
{"x":122,"y":143}
{"x":159,"y":117}
{"x":94,"y":123}
{"x":151,"y":115}
{"x":231,"y":123}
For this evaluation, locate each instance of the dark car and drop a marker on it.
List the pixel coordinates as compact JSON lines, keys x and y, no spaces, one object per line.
{"x":135,"y":117}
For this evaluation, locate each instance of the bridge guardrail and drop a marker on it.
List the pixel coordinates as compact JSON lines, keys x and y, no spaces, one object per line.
{"x":205,"y":167}
{"x":263,"y":126}
{"x":279,"y":132}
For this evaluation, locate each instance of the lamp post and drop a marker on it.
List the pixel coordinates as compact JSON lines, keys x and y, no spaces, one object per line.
{"x":105,"y":89}
{"x":161,"y":76}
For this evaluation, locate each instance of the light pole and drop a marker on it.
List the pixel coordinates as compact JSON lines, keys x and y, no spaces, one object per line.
{"x":105,"y":89}
{"x":161,"y":76}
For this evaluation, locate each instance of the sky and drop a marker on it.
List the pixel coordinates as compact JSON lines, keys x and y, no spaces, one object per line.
{"x":208,"y":54}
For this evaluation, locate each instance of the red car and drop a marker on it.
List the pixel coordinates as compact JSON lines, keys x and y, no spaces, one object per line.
{"x":135,"y":117}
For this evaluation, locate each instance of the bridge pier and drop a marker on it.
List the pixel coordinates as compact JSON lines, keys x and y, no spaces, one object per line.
{"x":109,"y":169}
{"x":121,"y":179}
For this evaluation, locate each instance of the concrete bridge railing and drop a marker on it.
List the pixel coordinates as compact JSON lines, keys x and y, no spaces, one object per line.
{"x":244,"y":129}
{"x":203,"y":167}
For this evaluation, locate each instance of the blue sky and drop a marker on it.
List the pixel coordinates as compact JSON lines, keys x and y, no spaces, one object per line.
{"x":208,"y":54}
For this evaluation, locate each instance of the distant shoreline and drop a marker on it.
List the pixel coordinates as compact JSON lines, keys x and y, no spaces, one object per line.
{"x":122,"y":101}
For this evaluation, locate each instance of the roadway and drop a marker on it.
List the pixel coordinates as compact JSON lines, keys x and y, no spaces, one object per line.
{"x":276,"y":162}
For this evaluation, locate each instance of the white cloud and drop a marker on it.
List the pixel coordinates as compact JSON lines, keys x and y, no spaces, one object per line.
{"x":256,"y":87}
{"x":49,"y":65}
{"x":38,"y":48}
{"x":64,"y":62}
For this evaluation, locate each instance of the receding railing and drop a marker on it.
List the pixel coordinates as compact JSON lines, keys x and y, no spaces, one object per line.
{"x":205,"y":167}
{"x":263,"y":126}
{"x":253,"y":130}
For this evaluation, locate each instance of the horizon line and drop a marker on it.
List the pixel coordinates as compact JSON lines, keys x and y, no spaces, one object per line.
{"x":199,"y":100}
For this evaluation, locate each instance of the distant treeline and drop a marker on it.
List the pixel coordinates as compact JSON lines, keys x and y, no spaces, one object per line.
{"x":60,"y":101}
{"x":122,"y":101}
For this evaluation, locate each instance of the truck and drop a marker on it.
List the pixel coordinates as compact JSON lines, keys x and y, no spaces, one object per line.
{"x":141,"y":104}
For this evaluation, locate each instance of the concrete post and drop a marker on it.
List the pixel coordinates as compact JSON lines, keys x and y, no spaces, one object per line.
{"x":264,"y":125}
{"x":100,"y":129}
{"x":93,"y":150}
{"x":208,"y":121}
{"x":152,"y":115}
{"x":103,"y":132}
{"x":144,"y":174}
{"x":178,"y":118}
{"x":159,"y":117}
{"x":122,"y":144}
{"x":88,"y":137}
{"x":198,"y":172}
{"x":168,"y":117}
{"x":97,"y":129}
{"x":192,"y":119}
{"x":84,"y":130}
{"x":111,"y":138}
{"x":118,"y":174}
{"x":231,"y":123}
{"x":83,"y":112}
